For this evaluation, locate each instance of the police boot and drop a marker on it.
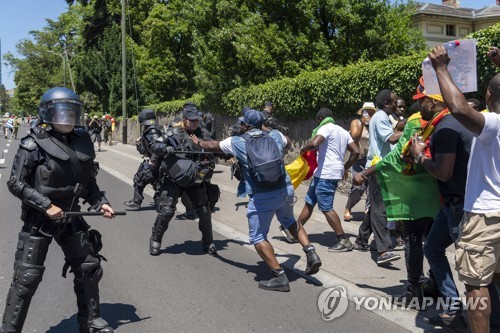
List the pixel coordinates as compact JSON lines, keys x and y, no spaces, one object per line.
{"x":26,"y":280}
{"x":87,"y":299}
{"x":159,"y":229}
{"x":313,"y":260}
{"x":132,"y":205}
{"x":278,"y":283}
{"x":135,"y":203}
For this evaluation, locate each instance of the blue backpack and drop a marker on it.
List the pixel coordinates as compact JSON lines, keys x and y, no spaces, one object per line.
{"x":265,"y":161}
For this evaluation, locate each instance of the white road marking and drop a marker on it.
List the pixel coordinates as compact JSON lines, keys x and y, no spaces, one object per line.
{"x":2,"y":160}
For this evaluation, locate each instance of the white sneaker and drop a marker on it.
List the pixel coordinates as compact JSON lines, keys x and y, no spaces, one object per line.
{"x":288,"y":236}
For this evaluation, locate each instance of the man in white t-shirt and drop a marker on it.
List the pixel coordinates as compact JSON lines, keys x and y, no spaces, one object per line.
{"x":331,"y":142}
{"x":477,"y":256}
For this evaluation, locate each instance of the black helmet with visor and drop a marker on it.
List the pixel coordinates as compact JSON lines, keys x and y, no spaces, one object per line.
{"x":62,"y":106}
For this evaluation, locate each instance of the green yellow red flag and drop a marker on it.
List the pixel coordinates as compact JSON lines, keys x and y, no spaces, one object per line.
{"x":408,"y":195}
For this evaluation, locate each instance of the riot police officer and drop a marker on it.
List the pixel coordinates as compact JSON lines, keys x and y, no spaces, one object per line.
{"x":184,"y":168}
{"x":270,"y":121}
{"x":53,"y":169}
{"x":147,"y":173}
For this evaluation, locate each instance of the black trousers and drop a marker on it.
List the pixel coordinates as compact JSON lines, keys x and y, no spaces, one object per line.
{"x":375,"y":220}
{"x":80,"y":247}
{"x":414,"y":232}
{"x":169,"y":195}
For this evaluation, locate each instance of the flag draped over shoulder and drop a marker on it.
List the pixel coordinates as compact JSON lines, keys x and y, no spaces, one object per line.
{"x":407,"y":197}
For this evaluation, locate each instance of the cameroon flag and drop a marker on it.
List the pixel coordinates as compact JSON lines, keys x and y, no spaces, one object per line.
{"x":409,"y":192}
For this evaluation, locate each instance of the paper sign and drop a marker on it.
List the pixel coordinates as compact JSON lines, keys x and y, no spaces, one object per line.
{"x":462,"y":67}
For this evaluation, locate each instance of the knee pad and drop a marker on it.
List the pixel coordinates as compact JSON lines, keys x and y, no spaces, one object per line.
{"x":167,"y":212}
{"x":32,"y":250}
{"x":27,"y":278}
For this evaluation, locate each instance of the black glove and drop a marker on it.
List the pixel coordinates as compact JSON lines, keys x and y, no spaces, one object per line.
{"x":169,"y":150}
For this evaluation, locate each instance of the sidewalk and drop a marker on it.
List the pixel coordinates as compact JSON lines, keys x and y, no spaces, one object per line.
{"x":356,"y":271}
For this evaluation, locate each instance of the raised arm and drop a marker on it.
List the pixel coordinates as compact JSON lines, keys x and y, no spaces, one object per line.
{"x":453,"y":97}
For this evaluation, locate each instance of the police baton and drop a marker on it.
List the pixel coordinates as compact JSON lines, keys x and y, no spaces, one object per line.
{"x":70,"y":214}
{"x":194,"y":152}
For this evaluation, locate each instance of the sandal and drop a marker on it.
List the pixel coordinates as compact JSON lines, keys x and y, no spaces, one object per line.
{"x":347,"y":216}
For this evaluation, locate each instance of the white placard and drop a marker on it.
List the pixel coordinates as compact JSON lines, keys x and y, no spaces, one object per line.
{"x":462,"y":67}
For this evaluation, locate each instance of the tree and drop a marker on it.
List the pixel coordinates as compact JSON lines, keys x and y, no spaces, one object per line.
{"x":4,"y":101}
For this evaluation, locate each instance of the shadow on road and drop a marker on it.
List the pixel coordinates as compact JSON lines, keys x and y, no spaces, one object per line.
{"x":117,"y":314}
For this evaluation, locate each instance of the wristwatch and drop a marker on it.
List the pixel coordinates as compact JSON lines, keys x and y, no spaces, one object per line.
{"x":418,"y":158}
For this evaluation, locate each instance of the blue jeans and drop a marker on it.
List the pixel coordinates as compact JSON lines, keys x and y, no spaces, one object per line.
{"x":444,"y":232}
{"x":322,"y":192}
{"x":263,"y":206}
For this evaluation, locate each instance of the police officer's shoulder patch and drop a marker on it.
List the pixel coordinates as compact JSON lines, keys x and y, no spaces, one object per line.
{"x":28,"y":143}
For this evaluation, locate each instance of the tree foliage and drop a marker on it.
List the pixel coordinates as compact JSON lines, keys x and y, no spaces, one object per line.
{"x":177,"y":48}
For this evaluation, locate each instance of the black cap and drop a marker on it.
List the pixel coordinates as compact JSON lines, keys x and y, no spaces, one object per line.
{"x":190,"y":112}
{"x":269,"y":104}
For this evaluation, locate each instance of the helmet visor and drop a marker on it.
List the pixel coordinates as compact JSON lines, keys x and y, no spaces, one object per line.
{"x":64,"y":112}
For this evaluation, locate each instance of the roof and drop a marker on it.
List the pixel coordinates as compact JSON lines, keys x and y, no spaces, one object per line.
{"x":466,"y":13}
{"x":489,"y":11}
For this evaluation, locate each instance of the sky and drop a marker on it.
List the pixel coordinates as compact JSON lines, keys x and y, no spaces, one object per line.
{"x":19,"y":17}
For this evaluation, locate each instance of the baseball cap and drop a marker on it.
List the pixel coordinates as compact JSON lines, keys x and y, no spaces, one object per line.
{"x":268,"y":104}
{"x":253,"y":118}
{"x":419,"y":93}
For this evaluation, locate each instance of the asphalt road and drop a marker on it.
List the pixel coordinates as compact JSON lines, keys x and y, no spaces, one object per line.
{"x":182,"y":290}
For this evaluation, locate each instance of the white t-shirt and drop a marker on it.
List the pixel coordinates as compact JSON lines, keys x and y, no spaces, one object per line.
{"x":482,"y":192}
{"x":331,"y":151}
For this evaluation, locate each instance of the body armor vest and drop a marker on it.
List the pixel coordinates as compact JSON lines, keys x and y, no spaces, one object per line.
{"x":66,"y":164}
{"x":205,"y":162}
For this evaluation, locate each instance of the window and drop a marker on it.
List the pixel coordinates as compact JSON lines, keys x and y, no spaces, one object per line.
{"x":450,"y":30}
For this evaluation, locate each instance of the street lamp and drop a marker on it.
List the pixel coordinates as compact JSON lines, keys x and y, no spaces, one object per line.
{"x":65,"y":59}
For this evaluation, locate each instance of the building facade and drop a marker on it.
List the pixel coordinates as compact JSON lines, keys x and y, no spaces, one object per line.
{"x":443,"y":23}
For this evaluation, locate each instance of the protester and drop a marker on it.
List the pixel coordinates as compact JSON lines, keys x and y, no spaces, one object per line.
{"x":474,"y":104}
{"x":106,"y":126}
{"x":264,"y":203}
{"x":478,"y":244}
{"x":359,"y":133}
{"x":53,"y":169}
{"x":95,"y":127}
{"x":331,"y":142}
{"x":381,"y":140}
{"x":410,"y":195}
{"x":450,"y":148}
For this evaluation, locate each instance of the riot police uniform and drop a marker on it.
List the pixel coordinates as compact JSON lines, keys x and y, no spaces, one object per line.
{"x":270,"y":121}
{"x":147,"y":173}
{"x":53,"y":171}
{"x":169,"y":146}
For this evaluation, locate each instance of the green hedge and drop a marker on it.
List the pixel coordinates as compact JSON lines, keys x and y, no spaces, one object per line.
{"x":343,"y":89}
{"x":174,"y":107}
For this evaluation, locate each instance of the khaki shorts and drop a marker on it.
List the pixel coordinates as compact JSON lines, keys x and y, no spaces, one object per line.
{"x":477,"y":255}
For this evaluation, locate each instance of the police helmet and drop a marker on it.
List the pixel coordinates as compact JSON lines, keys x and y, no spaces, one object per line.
{"x":62,"y":106}
{"x":147,"y":117}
